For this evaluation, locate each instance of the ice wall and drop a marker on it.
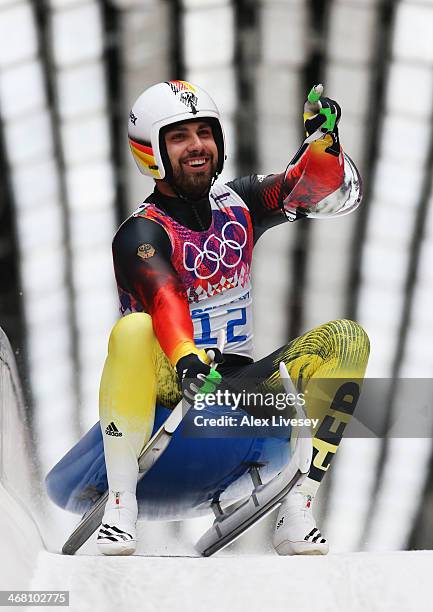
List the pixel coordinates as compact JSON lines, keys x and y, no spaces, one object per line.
{"x":20,"y":541}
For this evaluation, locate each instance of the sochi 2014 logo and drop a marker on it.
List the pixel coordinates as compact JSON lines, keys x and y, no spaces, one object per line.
{"x":216,"y":252}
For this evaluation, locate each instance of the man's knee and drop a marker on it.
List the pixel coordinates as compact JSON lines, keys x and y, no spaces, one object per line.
{"x":350,"y":337}
{"x":352,"y":330}
{"x":133,"y":330}
{"x":357,"y":334}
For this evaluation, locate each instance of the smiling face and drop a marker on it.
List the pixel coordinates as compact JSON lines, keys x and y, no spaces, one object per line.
{"x":193,"y":155}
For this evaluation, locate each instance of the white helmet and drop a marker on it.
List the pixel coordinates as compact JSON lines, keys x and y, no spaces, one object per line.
{"x":165,"y":104}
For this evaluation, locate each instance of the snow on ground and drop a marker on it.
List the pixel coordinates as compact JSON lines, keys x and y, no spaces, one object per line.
{"x":394,"y":581}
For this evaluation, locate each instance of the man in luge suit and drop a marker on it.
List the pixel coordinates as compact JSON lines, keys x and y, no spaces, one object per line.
{"x":183,"y":269}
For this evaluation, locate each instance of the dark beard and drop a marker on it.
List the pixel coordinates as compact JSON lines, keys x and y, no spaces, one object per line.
{"x":194,"y":186}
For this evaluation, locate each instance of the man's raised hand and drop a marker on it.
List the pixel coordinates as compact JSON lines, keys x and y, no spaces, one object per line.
{"x":321,"y":116}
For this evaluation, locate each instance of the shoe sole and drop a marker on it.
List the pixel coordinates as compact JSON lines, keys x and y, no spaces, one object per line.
{"x":301,"y":548}
{"x":117,"y":548}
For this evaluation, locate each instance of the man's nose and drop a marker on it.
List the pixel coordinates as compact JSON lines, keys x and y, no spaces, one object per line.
{"x":194,"y":142}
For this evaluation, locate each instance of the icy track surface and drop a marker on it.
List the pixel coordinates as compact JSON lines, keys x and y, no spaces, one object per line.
{"x":396,"y":581}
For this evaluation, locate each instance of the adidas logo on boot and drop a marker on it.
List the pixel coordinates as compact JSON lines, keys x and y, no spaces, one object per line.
{"x":117,"y":534}
{"x":296,"y":532}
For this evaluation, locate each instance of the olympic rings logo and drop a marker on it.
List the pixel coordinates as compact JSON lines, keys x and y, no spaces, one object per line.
{"x":220,"y":252}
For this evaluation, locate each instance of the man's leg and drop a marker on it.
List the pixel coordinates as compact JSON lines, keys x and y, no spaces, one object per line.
{"x":134,"y":369}
{"x":328,"y":365}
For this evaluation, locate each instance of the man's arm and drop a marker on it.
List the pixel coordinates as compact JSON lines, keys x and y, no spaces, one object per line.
{"x":141,"y":254}
{"x":319,"y":181}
